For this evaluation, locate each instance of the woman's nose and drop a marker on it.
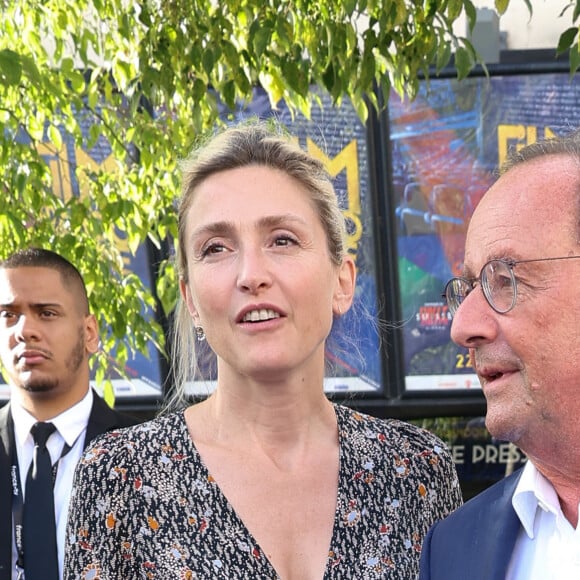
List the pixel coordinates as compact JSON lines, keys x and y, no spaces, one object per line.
{"x":254,"y":272}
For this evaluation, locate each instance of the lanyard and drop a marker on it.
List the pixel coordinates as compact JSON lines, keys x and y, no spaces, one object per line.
{"x":18,"y":496}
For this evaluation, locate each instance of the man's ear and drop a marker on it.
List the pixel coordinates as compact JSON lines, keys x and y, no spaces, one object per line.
{"x":346,"y":283}
{"x":91,"y":334}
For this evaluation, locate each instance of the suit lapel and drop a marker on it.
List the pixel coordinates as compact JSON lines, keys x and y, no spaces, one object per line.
{"x":475,"y":542}
{"x":103,"y":419}
{"x":501,"y":525}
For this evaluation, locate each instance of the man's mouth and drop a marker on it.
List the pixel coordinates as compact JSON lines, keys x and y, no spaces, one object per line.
{"x":493,"y":369}
{"x":29,"y":357}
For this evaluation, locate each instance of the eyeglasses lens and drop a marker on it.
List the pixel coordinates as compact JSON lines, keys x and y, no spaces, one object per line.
{"x":456,"y":291}
{"x":498,"y":283}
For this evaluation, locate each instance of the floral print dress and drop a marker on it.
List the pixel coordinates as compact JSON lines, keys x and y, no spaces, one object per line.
{"x":145,"y":506}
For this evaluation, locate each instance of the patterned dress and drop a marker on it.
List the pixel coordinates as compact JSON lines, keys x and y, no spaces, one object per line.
{"x":145,"y":506}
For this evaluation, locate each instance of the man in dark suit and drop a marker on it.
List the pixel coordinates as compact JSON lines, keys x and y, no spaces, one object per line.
{"x":47,"y":335}
{"x":517,"y":310}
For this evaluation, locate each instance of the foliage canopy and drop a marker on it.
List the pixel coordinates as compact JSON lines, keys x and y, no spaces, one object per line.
{"x":122,"y":87}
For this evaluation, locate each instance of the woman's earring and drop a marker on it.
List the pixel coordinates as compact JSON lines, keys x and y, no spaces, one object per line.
{"x":199,"y":333}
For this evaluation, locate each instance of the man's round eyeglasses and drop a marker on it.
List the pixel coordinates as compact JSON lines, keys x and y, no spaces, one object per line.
{"x":498,"y":282}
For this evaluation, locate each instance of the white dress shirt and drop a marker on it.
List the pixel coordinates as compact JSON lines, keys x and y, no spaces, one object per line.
{"x":547,"y":547}
{"x":71,"y":429}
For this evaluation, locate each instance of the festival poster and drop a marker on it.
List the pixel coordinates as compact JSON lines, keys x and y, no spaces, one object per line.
{"x":446,"y":147}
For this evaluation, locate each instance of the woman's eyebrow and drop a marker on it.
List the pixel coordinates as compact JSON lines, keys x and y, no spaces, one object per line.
{"x":215,"y":229}
{"x":223,"y":228}
{"x":278,"y":220}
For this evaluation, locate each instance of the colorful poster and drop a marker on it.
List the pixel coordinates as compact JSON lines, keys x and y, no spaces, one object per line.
{"x":446,"y":147}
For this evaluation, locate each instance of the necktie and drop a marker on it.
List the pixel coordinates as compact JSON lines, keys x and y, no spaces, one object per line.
{"x":39,"y":534}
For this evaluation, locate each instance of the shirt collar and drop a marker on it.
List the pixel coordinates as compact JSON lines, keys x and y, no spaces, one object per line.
{"x":73,"y":421}
{"x":534,"y":492}
{"x":70,"y":423}
{"x":23,"y":422}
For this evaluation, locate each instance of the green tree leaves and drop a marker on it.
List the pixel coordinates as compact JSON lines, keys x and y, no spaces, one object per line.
{"x":100,"y":99}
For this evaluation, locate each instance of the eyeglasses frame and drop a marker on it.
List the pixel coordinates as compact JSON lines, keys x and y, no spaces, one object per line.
{"x":511,"y":264}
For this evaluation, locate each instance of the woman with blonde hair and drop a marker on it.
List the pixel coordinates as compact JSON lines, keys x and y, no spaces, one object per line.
{"x":265,"y":478}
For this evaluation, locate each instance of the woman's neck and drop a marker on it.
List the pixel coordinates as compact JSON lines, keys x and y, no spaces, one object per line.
{"x":281,"y":421}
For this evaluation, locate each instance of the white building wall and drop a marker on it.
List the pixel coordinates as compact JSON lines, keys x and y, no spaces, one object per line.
{"x":541,"y":30}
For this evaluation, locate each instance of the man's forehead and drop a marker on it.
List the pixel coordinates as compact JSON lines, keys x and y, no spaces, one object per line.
{"x":492,"y":235}
{"x":34,"y":283}
{"x":525,"y":214}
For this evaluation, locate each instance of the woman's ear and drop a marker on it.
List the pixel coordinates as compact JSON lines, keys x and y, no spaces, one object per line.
{"x":188,"y":299}
{"x":346,"y":283}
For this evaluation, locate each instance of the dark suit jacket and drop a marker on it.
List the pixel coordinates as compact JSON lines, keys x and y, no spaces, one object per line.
{"x":477,"y":540}
{"x":101,"y":419}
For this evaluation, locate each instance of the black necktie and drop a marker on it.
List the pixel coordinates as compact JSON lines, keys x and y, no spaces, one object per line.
{"x":40,"y":553}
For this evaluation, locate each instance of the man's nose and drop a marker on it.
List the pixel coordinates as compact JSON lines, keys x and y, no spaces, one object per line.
{"x":475,"y":322}
{"x":26,"y":328}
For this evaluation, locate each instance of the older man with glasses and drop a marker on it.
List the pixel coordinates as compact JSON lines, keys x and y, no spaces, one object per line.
{"x":517,"y":310}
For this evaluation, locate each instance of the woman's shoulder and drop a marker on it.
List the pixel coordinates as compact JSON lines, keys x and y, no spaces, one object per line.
{"x":400,"y":436}
{"x":138,"y":441}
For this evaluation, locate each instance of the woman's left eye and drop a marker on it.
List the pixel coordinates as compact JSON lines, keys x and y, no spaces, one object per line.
{"x":285,"y":240}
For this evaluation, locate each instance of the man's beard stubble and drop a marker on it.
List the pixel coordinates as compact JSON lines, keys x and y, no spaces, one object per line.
{"x":73,"y":363}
